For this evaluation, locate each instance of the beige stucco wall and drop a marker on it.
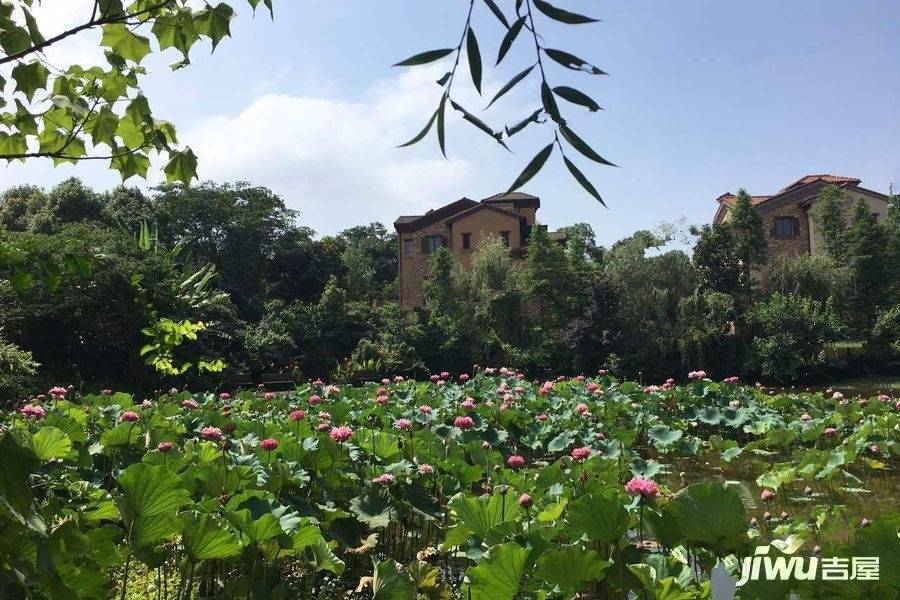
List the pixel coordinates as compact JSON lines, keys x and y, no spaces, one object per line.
{"x":480,"y":224}
{"x":879,"y":206}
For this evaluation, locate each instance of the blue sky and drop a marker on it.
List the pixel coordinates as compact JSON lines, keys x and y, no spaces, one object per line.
{"x":703,"y":97}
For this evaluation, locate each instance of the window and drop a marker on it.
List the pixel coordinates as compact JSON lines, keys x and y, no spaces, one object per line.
{"x":432,"y":243}
{"x":786,"y":227}
{"x":467,"y":241}
{"x":407,"y":248}
{"x":505,"y":236}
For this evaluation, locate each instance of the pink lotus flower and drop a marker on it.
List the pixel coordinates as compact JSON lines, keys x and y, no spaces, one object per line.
{"x":318,"y":382}
{"x":381,"y":400}
{"x":224,"y":396}
{"x":515,"y":461}
{"x":766,"y":495}
{"x":426,"y":469}
{"x":425,"y":409}
{"x":464,"y":422}
{"x":830,"y":431}
{"x":646,"y":488}
{"x":384,"y":479}
{"x":323,"y":426}
{"x":190,"y":404}
{"x":58,"y":392}
{"x":592,"y":387}
{"x":467,"y":404}
{"x":445,"y":375}
{"x":734,"y":403}
{"x":146,"y":404}
{"x":541,"y":417}
{"x":382,"y":391}
{"x":525,"y":501}
{"x":579,"y":378}
{"x":863,"y":402}
{"x":581,"y":453}
{"x":269,"y":444}
{"x":837,"y":396}
{"x":581,"y":408}
{"x":106,"y":392}
{"x":314,"y":400}
{"x":805,"y":417}
{"x":165,"y":447}
{"x":332,"y":390}
{"x":30,"y":411}
{"x":385,"y":381}
{"x":651,"y":389}
{"x":884,"y":398}
{"x":398,"y":378}
{"x":211,"y":433}
{"x":325,"y":416}
{"x":435,"y":378}
{"x":269,"y":396}
{"x":463,"y":377}
{"x":402,"y":424}
{"x":733,"y":380}
{"x":298,"y":415}
{"x":697,"y":375}
{"x":341,"y":434}
{"x":130,"y":417}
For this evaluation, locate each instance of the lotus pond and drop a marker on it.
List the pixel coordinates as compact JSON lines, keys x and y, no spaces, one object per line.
{"x":482,"y":487}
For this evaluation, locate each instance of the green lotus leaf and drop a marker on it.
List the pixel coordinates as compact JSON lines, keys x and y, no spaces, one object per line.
{"x":481,"y":514}
{"x":49,"y":443}
{"x":391,"y":582}
{"x":570,"y":567}
{"x":601,"y":518}
{"x":497,"y":574}
{"x":710,"y":514}
{"x":206,"y":539}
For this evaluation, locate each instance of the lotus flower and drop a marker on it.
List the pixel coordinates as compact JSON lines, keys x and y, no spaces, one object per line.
{"x":314,"y":400}
{"x":269,"y":444}
{"x":130,"y":417}
{"x":58,"y":392}
{"x":341,"y":434}
{"x":384,"y":479}
{"x":298,"y":415}
{"x":464,"y":422}
{"x":426,"y":469}
{"x":525,"y":501}
{"x":190,"y":404}
{"x":224,"y":396}
{"x":211,"y":433}
{"x":402,"y":424}
{"x":766,"y":495}
{"x":165,"y":447}
{"x":425,"y":409}
{"x":515,"y":461}
{"x":581,"y":453}
{"x":646,"y":488}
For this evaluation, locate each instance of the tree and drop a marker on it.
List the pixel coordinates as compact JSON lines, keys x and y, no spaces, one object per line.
{"x":829,"y":213}
{"x":749,"y":241}
{"x":441,"y":286}
{"x":547,"y":278}
{"x":866,"y":242}
{"x":99,"y":112}
{"x":715,"y":258}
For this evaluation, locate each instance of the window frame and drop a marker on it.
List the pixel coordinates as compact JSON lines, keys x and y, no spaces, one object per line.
{"x":794,"y":227}
{"x":408,"y":248}
{"x":427,"y":243}
{"x":466,"y":240}
{"x":504,"y":235}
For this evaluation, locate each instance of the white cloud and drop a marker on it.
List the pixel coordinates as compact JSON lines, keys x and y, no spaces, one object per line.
{"x":336,"y":161}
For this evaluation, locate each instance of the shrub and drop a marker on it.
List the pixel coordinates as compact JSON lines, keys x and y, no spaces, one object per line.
{"x":789,"y":333}
{"x":17,"y":370}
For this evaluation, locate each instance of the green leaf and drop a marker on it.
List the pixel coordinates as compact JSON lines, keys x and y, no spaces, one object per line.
{"x":33,"y":31}
{"x":570,"y":61}
{"x":440,"y":125}
{"x":15,"y":467}
{"x":123,"y":434}
{"x":214,"y":22}
{"x":510,"y":85}
{"x":474,"y":56}
{"x":710,"y":514}
{"x":374,"y":510}
{"x":381,"y":444}
{"x":497,"y":574}
{"x":11,"y":145}
{"x":509,"y":38}
{"x":182,"y":166}
{"x":129,"y":164}
{"x":570,"y":567}
{"x":151,"y":490}
{"x":478,"y":123}
{"x":49,"y":443}
{"x":580,"y":145}
{"x":497,"y":12}
{"x":481,"y":514}
{"x":390,"y":582}
{"x":549,"y":103}
{"x":421,"y":135}
{"x":580,"y":178}
{"x":576,"y":97}
{"x":663,"y":435}
{"x":424,"y":58}
{"x":205,"y":539}
{"x":559,"y":14}
{"x":123,"y":42}
{"x":30,"y":77}
{"x":601,"y":518}
{"x":533,"y":167}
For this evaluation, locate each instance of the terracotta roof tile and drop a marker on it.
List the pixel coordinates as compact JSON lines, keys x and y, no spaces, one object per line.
{"x":834,"y":179}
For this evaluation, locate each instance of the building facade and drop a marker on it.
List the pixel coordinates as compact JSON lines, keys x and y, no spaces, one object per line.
{"x":789,"y":228}
{"x":460,"y":227}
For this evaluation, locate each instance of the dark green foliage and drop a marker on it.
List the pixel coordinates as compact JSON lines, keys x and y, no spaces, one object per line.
{"x":749,"y":241}
{"x":789,"y":335}
{"x":829,"y":213}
